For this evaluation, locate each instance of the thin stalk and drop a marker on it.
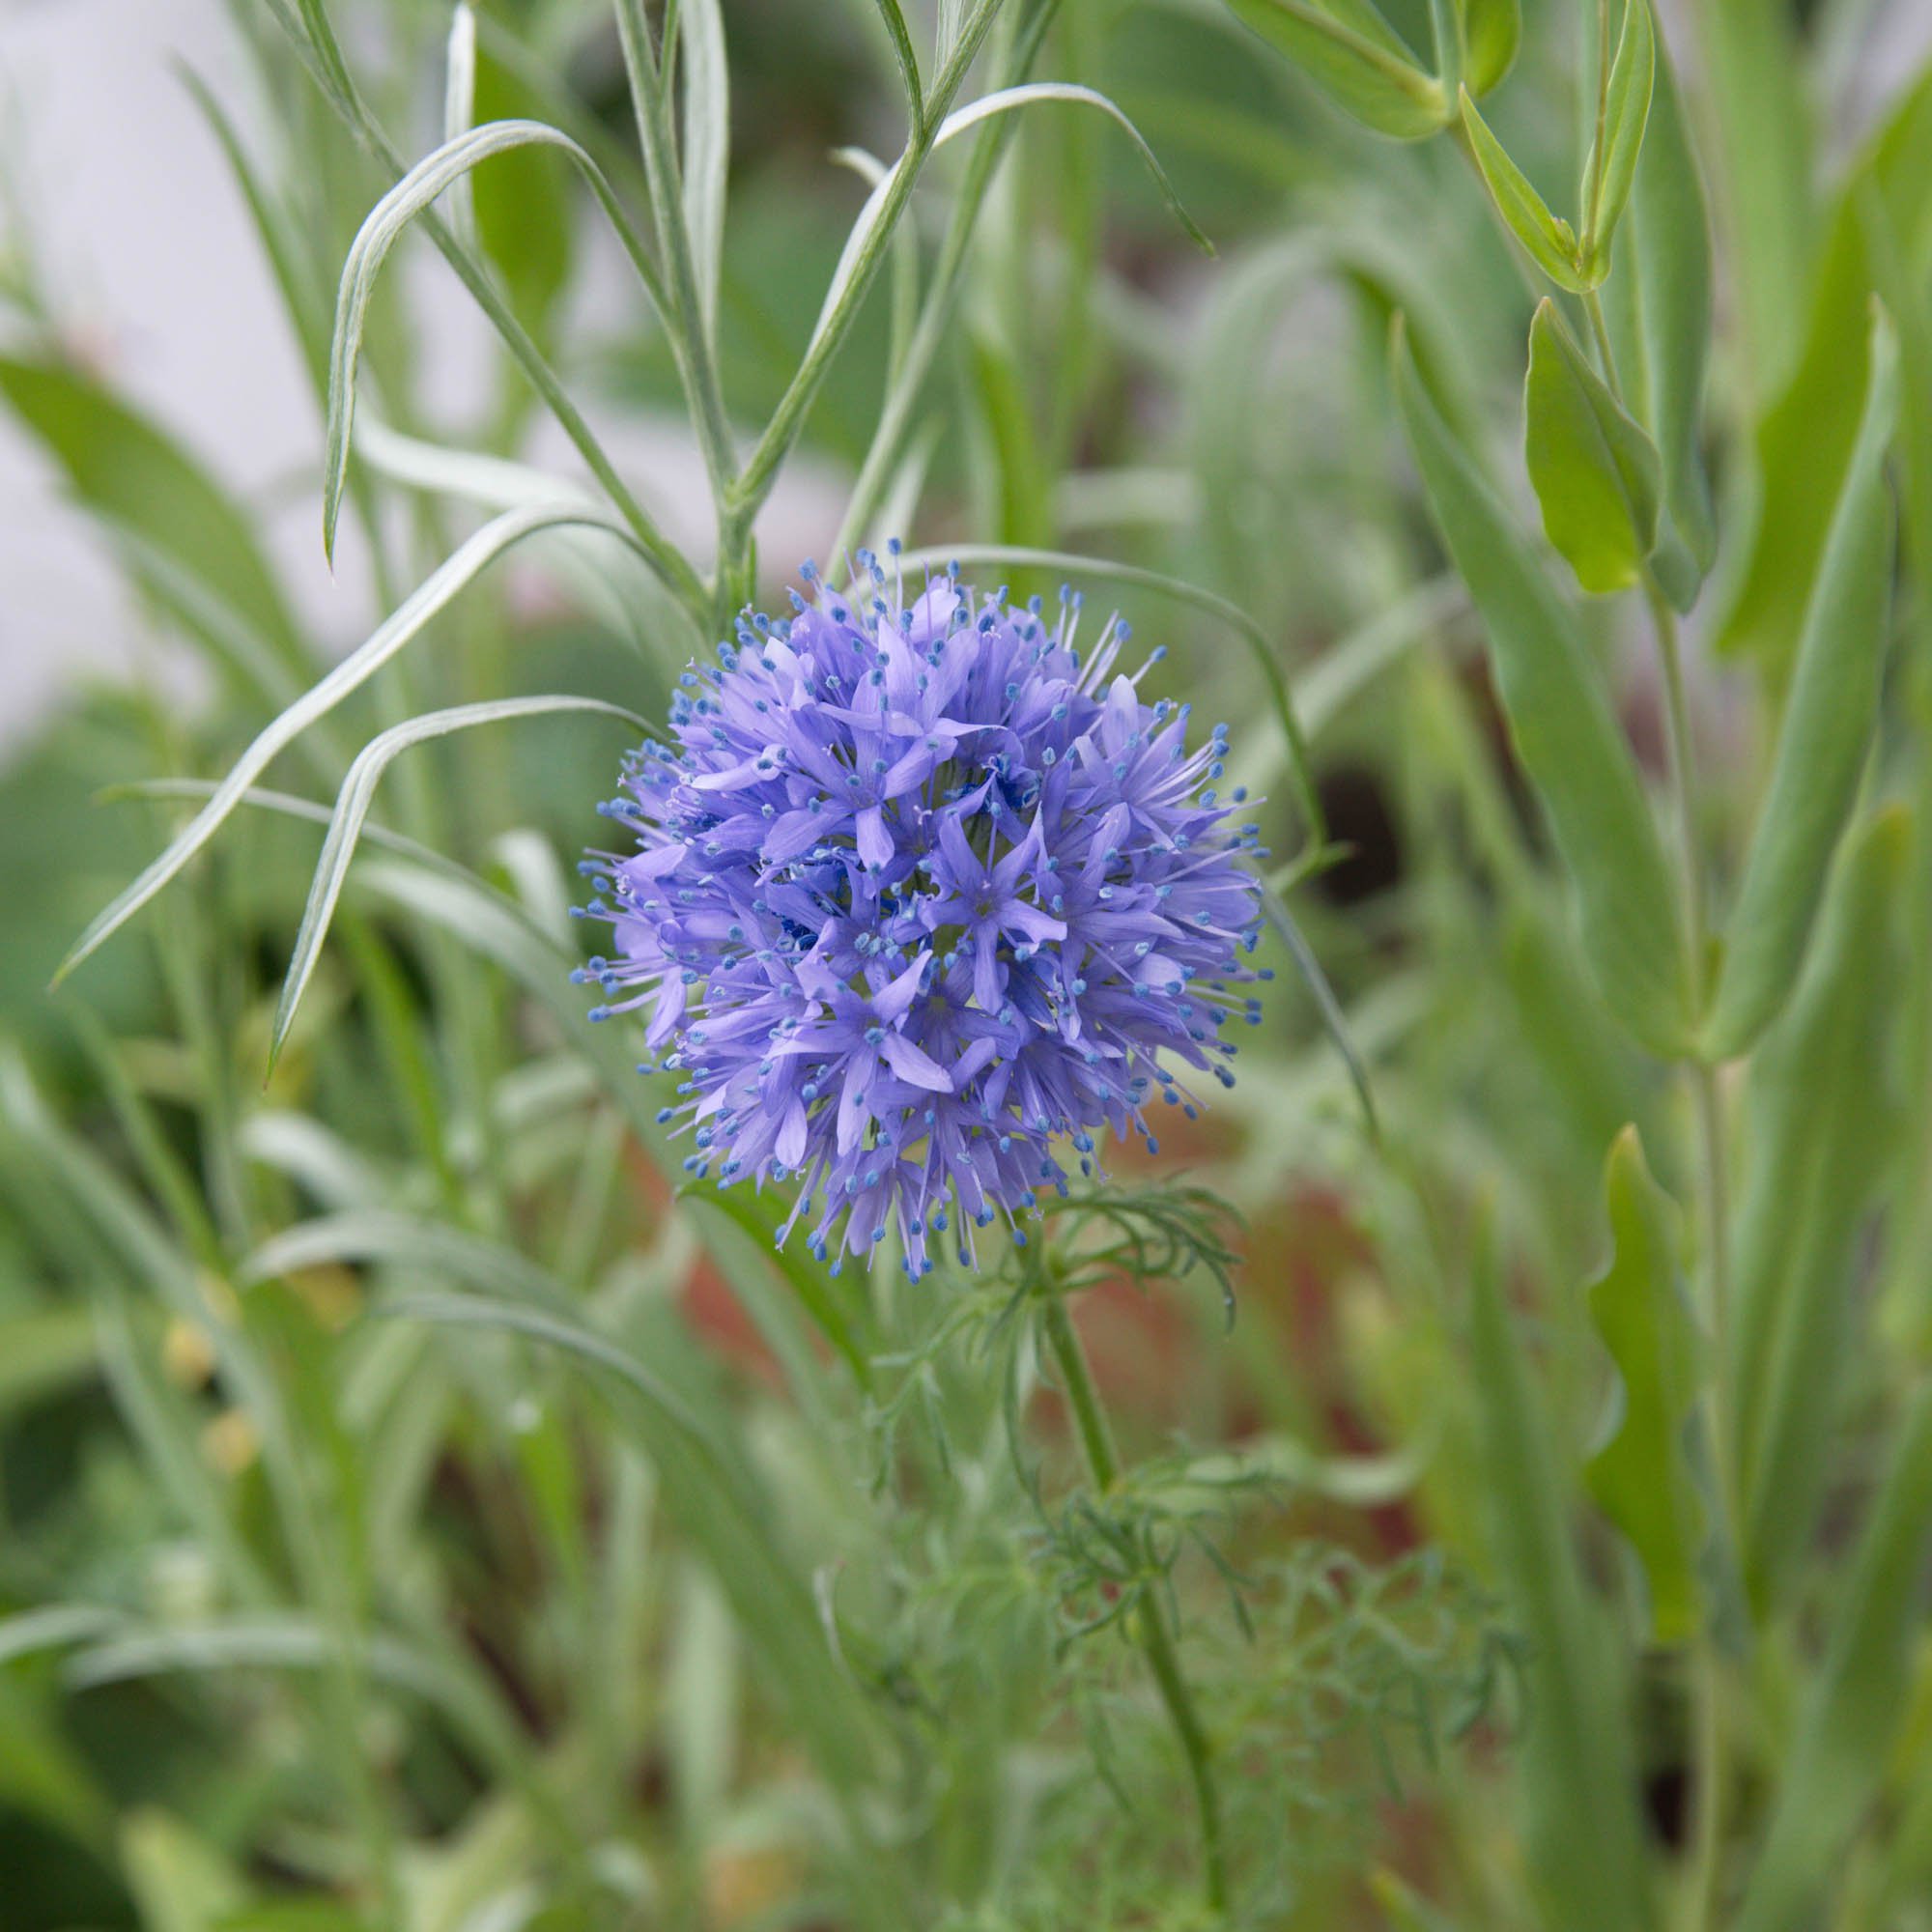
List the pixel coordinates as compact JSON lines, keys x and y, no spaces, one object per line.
{"x":761,"y":470}
{"x":930,"y":336}
{"x":1150,"y":1628}
{"x":650,"y":79}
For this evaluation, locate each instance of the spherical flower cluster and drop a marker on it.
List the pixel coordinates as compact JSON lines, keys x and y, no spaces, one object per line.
{"x":917,"y":894}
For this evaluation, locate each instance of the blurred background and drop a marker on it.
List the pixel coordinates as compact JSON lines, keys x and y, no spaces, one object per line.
{"x":312,"y":1621}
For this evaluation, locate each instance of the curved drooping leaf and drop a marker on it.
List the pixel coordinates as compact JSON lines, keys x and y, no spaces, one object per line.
{"x":352,"y":810}
{"x":1641,"y":1476}
{"x":1594,"y":471}
{"x":409,"y":620}
{"x":384,"y":226}
{"x":1831,"y":713}
{"x":1567,"y":737}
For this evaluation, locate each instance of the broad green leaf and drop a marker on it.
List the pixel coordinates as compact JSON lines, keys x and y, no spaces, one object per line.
{"x":1831,"y":713}
{"x":1857,"y":1703}
{"x":1582,"y":1835}
{"x":409,"y":620}
{"x":1658,"y":302}
{"x":352,"y":810}
{"x":1805,"y":439}
{"x":1822,"y":1123}
{"x":707,"y":147}
{"x":137,"y":478}
{"x":1641,"y":1477}
{"x":1566,"y":736}
{"x":1357,"y":59}
{"x":524,"y":222}
{"x":1550,"y":240}
{"x":412,"y":196}
{"x":1626,"y":111}
{"x":1594,"y":471}
{"x":1491,"y":30}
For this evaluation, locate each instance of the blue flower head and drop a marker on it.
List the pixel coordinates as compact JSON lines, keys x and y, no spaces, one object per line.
{"x":918,"y":894}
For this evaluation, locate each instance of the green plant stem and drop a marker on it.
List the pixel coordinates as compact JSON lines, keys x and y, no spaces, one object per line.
{"x":1156,"y":1640}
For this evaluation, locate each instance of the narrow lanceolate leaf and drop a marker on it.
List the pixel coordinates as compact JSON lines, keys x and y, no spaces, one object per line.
{"x":707,"y":147}
{"x":1594,"y":471}
{"x":1550,"y":240}
{"x":1626,"y":111}
{"x":908,"y":61}
{"x":1565,"y":733}
{"x":1830,"y":714}
{"x":1352,"y":54}
{"x":1033,"y":93}
{"x":411,"y":197}
{"x":1824,"y":1122}
{"x":1857,"y":1702}
{"x":459,"y":109}
{"x":1641,"y":1477}
{"x":351,"y":811}
{"x":411,"y":618}
{"x":1660,"y":309}
{"x":1582,"y":1832}
{"x":1491,"y":30}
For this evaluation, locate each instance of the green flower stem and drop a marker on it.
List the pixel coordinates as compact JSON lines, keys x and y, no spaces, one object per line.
{"x":1155,"y":1639}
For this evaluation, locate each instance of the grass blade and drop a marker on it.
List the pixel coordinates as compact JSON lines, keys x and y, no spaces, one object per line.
{"x":411,"y":618}
{"x":352,"y":810}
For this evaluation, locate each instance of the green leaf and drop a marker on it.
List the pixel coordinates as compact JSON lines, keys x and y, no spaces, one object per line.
{"x":410,"y":197}
{"x":907,"y":60}
{"x":1830,"y":713}
{"x":707,"y":147}
{"x":523,"y":218}
{"x":1641,"y":1477}
{"x":1626,"y":110}
{"x":1858,"y":1703}
{"x":1550,"y":240}
{"x":1566,"y":734}
{"x":137,"y":478}
{"x":1660,"y":315}
{"x":1583,"y":1837}
{"x":1822,"y":1124}
{"x":427,"y":601}
{"x":1594,"y":471}
{"x":1805,"y":439}
{"x":1005,"y":99}
{"x":1491,"y":30}
{"x":351,"y":811}
{"x":1354,"y":56}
